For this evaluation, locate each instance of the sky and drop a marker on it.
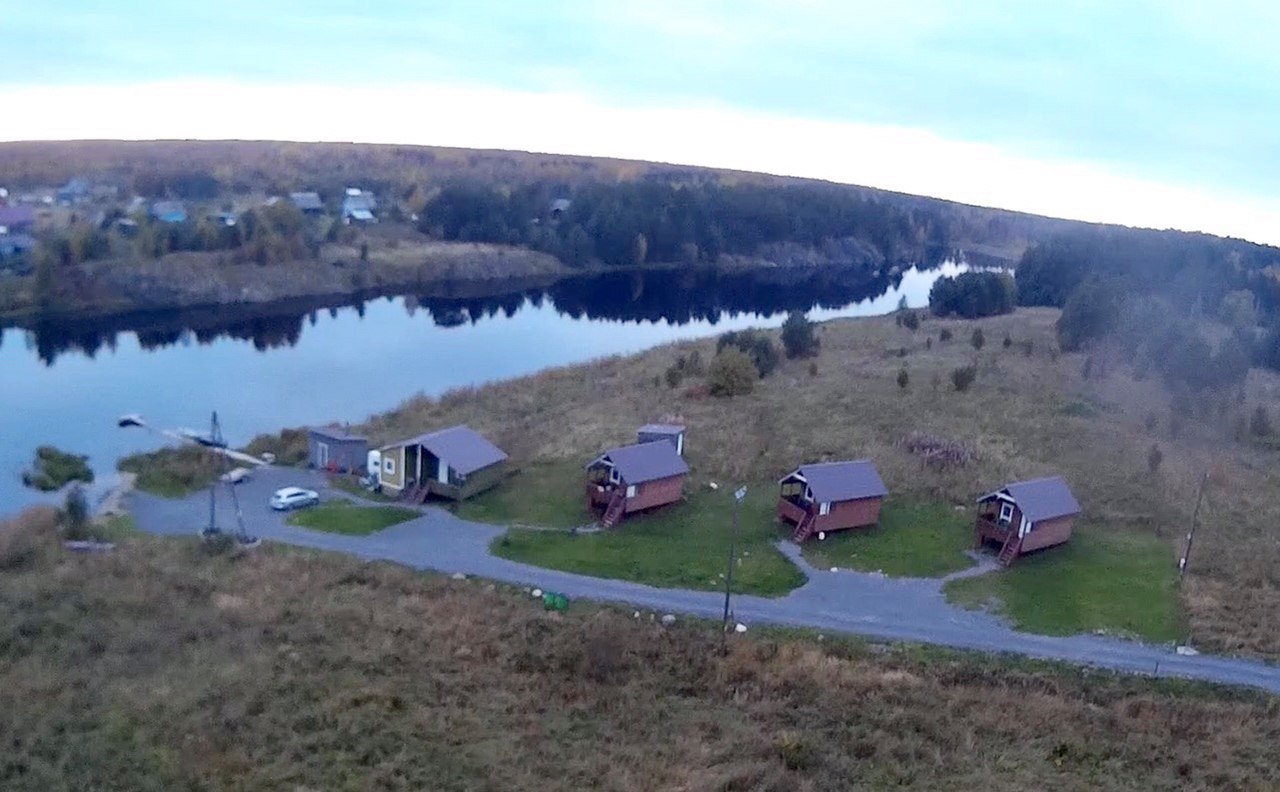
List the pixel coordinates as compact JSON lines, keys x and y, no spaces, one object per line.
{"x":1145,"y":113}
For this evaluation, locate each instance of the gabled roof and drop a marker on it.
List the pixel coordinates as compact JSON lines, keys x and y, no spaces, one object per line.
{"x":306,"y":201}
{"x":654,"y":428}
{"x":461,"y":447}
{"x":637,"y":464}
{"x":842,"y":481}
{"x":1041,"y":499}
{"x":334,"y":433}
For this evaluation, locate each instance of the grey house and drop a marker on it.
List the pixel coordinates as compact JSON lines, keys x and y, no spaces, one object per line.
{"x":333,"y":448}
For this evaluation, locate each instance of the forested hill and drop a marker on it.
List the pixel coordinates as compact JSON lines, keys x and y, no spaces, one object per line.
{"x":682,"y":212}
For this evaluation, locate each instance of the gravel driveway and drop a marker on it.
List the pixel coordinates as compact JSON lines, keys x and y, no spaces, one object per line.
{"x":844,"y":601}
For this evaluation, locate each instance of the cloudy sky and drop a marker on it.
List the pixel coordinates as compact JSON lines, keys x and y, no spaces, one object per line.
{"x":1148,"y":113}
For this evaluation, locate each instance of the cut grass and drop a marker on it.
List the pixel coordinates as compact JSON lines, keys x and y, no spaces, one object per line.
{"x":1119,"y":582}
{"x":684,"y":545}
{"x":342,"y":517}
{"x":914,"y":539}
{"x":544,"y":494}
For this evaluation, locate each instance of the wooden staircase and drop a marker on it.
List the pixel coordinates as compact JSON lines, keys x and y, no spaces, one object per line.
{"x":804,"y":528}
{"x":1009,"y":550}
{"x":613,"y":513}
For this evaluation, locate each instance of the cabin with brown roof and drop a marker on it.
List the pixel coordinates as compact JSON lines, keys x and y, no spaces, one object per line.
{"x":635,"y":478}
{"x":1026,"y":516}
{"x":454,"y":463}
{"x":831,"y":496}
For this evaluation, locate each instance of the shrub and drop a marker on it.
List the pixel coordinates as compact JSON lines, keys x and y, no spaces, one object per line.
{"x":938,"y":451}
{"x":798,"y":336}
{"x":1008,"y":342}
{"x":1151,"y":421}
{"x":903,"y":378}
{"x":674,"y":375}
{"x":732,"y":373}
{"x":911,"y":320}
{"x":75,"y":515}
{"x":928,"y":343}
{"x":963,"y":377}
{"x":1092,"y":311}
{"x":974,"y":294}
{"x":693,"y":365}
{"x":945,"y":335}
{"x":1154,"y":458}
{"x":1027,"y":348}
{"x":813,"y":369}
{"x":977,"y":339}
{"x":53,"y":469}
{"x":756,"y":345}
{"x":1260,"y":423}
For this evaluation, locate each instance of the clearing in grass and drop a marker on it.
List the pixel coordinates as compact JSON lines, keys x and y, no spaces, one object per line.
{"x":347,"y":518}
{"x":1121,"y":582}
{"x":684,"y":545}
{"x":913,"y":539}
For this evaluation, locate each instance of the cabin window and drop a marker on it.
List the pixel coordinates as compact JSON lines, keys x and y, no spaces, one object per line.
{"x":613,"y":475}
{"x":824,"y":508}
{"x":1006,"y":513}
{"x":631,"y":491}
{"x":389,"y":466}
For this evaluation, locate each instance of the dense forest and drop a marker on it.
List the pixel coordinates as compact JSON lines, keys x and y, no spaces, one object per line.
{"x":652,"y":219}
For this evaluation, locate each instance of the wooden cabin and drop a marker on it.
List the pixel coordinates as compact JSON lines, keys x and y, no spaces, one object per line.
{"x":335,"y":449}
{"x":454,"y":463}
{"x":830,"y":496}
{"x":635,"y":478}
{"x":1026,"y":516}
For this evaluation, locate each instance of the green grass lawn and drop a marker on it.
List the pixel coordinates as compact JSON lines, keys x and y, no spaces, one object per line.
{"x":913,"y":539}
{"x":683,"y":545}
{"x":347,"y":518}
{"x":1116,"y":581}
{"x":544,"y":494}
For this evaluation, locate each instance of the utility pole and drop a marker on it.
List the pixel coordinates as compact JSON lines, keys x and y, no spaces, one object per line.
{"x":1191,"y":534}
{"x":738,"y":495}
{"x":213,"y":488}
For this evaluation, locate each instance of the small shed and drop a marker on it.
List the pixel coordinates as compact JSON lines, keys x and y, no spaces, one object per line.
{"x":635,"y":478}
{"x":334,"y":448}
{"x":831,"y":496}
{"x":1026,"y":516}
{"x":671,"y":433}
{"x":308,"y":203}
{"x":454,"y":463}
{"x":169,"y":211}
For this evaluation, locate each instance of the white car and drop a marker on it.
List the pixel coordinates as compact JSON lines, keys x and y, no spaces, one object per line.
{"x":294,"y":498}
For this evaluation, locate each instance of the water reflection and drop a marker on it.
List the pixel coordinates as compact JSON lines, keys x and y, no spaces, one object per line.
{"x":674,"y":296}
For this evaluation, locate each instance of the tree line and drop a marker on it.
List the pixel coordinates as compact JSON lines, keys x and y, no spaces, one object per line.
{"x":653,"y":220}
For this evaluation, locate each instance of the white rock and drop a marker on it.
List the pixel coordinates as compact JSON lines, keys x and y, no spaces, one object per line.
{"x":1186,"y":651}
{"x":459,"y":576}
{"x":740,"y":628}
{"x":822,"y":536}
{"x":537,"y":593}
{"x":835,"y":569}
{"x":713,"y":485}
{"x":668,"y":619}
{"x":635,"y":615}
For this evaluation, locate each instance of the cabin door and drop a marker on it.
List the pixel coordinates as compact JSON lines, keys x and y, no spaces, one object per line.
{"x":322,"y":455}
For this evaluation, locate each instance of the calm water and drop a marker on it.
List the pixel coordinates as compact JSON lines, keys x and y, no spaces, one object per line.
{"x":290,"y":366}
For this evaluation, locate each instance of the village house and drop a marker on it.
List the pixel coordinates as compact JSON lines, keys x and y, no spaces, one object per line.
{"x":634,"y":478}
{"x":334,"y":448}
{"x":169,"y":212}
{"x":308,"y":203}
{"x":1026,"y":516}
{"x":830,"y":496}
{"x":454,"y":463}
{"x":358,"y":206}
{"x":75,"y":191}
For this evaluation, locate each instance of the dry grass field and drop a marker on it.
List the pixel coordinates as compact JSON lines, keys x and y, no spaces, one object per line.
{"x":1029,"y":413}
{"x":162,"y":667}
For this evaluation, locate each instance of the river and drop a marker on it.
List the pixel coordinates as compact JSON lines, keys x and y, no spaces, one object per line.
{"x":264,"y":368}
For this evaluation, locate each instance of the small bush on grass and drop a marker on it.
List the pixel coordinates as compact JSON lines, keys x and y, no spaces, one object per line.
{"x":798,"y":336}
{"x":911,"y":320}
{"x":977,"y":339}
{"x":75,"y":515}
{"x":732,"y":374}
{"x":1260,"y":423}
{"x":903,"y":378}
{"x":945,"y":335}
{"x":963,"y":377}
{"x":674,"y":376}
{"x":756,"y":345}
{"x":1154,"y":458}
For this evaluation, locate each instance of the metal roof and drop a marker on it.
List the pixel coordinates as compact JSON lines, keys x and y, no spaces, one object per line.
{"x":661,"y":429}
{"x":637,"y":464}
{"x":334,"y":433}
{"x":461,"y":447}
{"x":1042,"y":498}
{"x":306,"y":201}
{"x":842,"y":481}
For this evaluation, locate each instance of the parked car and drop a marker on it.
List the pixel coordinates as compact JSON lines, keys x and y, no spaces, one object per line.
{"x":294,"y":498}
{"x":236,"y":476}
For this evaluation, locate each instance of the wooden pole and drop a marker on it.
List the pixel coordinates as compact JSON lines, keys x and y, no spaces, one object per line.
{"x":1191,"y":534}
